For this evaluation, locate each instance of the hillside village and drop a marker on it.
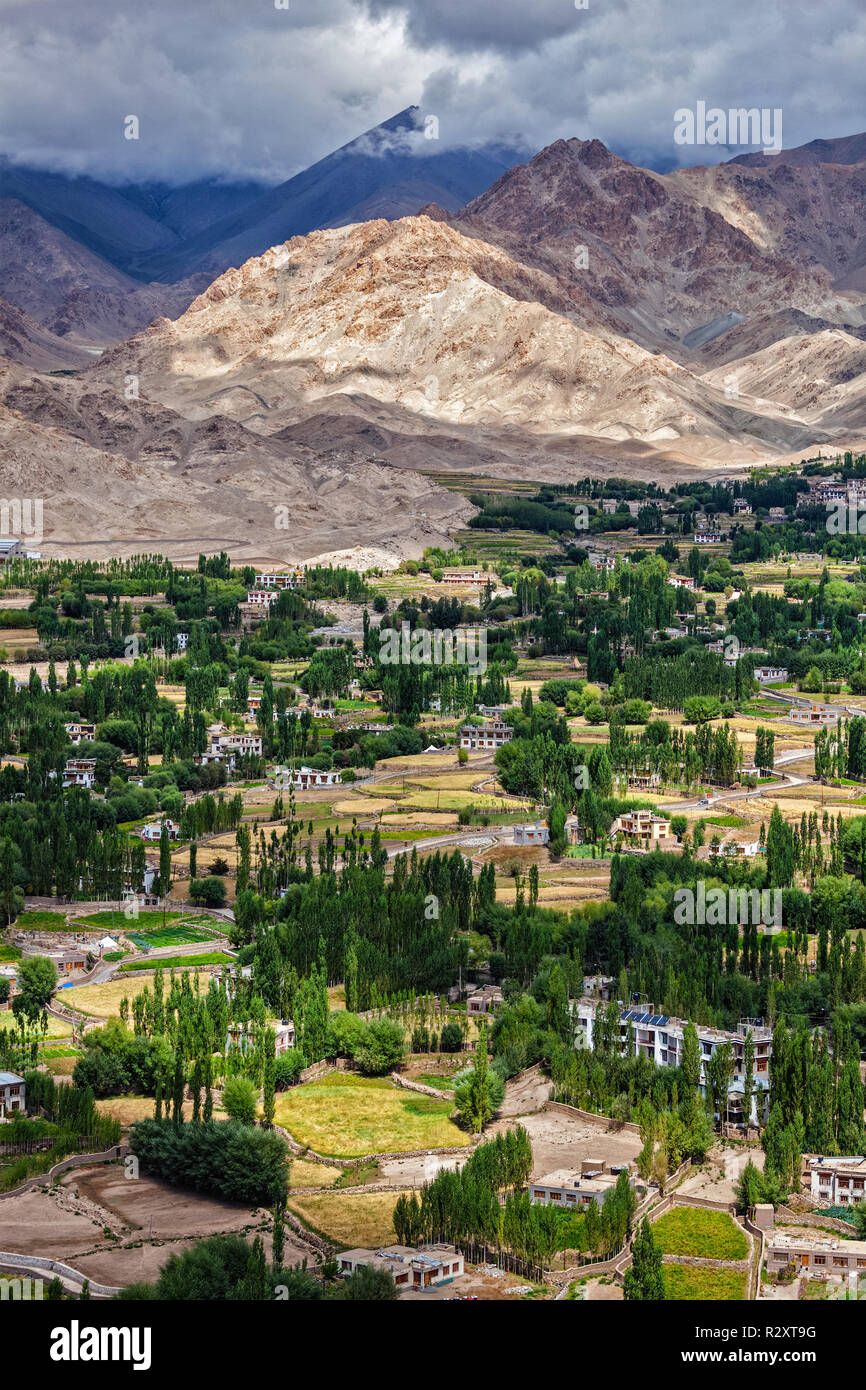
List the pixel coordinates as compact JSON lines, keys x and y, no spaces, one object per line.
{"x":531,"y":868}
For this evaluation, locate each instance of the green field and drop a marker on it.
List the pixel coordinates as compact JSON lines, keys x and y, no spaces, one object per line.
{"x":687,"y":1282}
{"x":173,"y":962}
{"x":345,"y":1116}
{"x":42,"y":921}
{"x":168,"y":936}
{"x":117,"y":918}
{"x":712,"y":1235}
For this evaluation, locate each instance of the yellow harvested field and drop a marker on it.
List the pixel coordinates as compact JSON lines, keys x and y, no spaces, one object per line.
{"x":305,"y":1173}
{"x":103,"y":1001}
{"x":362,"y":1219}
{"x":128,"y":1109}
{"x":357,"y":806}
{"x":351,"y":1116}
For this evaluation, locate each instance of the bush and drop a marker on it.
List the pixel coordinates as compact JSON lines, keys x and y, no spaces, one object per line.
{"x":288,"y":1068}
{"x":452,"y":1038}
{"x":382,"y":1049}
{"x":211,"y":892}
{"x":240,"y":1100}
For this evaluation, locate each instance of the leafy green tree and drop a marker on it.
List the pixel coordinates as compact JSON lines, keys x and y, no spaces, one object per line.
{"x":644,"y":1280}
{"x":368,"y":1285}
{"x":240,"y":1099}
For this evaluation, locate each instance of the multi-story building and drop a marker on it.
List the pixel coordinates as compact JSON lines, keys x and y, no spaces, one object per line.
{"x":261,"y":598}
{"x":153,"y":832}
{"x":236,"y":743}
{"x":681,"y":581}
{"x":491,"y":735}
{"x":80,"y":772}
{"x":13,"y":1094}
{"x":643,"y":828}
{"x":839,"y":1181}
{"x":660,"y":1039}
{"x":76,"y":732}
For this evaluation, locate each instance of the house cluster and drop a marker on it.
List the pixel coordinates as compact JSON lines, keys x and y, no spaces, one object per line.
{"x":13,"y":1094}
{"x":577,"y":1188}
{"x":839,"y":1181}
{"x":490,"y":735}
{"x":421,"y":1268}
{"x":643,"y":828}
{"x":645,"y":1034}
{"x":484,"y":1001}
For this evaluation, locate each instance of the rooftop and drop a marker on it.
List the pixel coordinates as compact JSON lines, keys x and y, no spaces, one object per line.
{"x":9,"y":1078}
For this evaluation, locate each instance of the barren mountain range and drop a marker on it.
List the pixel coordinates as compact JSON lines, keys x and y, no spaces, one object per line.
{"x":580,"y":315}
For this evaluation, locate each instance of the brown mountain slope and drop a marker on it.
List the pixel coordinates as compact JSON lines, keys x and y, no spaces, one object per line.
{"x":661,"y":255}
{"x":71,"y":291}
{"x":118,"y":476}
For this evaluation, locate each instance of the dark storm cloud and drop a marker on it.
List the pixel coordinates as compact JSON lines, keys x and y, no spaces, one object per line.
{"x":242,"y":88}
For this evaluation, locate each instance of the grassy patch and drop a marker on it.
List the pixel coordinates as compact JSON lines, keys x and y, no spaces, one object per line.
{"x":144,"y":919}
{"x":687,"y":1282}
{"x":694,"y":1231}
{"x":305,"y":1173}
{"x":350,"y":1219}
{"x":168,"y":936}
{"x":9,"y":953}
{"x":42,"y":921}
{"x":348,"y":1116}
{"x":174,"y":962}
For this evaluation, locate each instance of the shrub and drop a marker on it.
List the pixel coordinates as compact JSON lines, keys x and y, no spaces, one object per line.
{"x":451,"y":1039}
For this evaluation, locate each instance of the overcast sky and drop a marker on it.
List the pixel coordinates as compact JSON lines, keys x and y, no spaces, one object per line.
{"x":242,"y":88}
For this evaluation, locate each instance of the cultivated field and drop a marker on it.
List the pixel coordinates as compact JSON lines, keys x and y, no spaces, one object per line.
{"x":349,"y":1116}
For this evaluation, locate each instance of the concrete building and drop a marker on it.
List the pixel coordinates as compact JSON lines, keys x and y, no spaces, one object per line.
{"x":9,"y":549}
{"x":643,"y":828}
{"x":764,"y":675}
{"x":682,"y":581}
{"x":817,"y":1254}
{"x":814,"y":714}
{"x":839,"y":1181}
{"x":660,"y":1038}
{"x":80,"y":772}
{"x":566,"y":1188}
{"x":492,"y":735}
{"x":261,"y":598}
{"x":422,"y":1268}
{"x":153,"y":833}
{"x":708,"y":538}
{"x":306,"y":777}
{"x":13,"y":1094}
{"x":236,"y":743}
{"x":535,"y":834}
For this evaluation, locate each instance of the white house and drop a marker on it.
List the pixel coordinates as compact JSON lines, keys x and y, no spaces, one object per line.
{"x":426,"y":1267}
{"x":839,"y":1181}
{"x":13,"y":1094}
{"x":80,"y":772}
{"x":236,"y":743}
{"x":152,"y":833}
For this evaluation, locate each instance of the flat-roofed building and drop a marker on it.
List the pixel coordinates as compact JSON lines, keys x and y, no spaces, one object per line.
{"x":13,"y":1094}
{"x":660,"y":1038}
{"x":839,"y":1181}
{"x":817,"y":1254}
{"x":421,"y":1268}
{"x":643,"y":827}
{"x":535,"y":834}
{"x":567,"y":1188}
